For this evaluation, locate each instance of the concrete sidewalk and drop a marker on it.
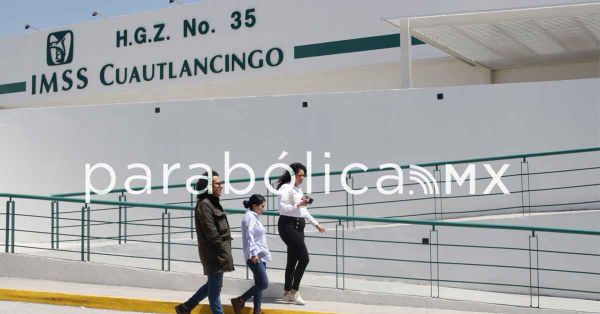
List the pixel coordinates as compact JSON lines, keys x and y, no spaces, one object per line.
{"x":41,"y":279}
{"x":162,"y":301}
{"x":7,"y":307}
{"x":135,"y":299}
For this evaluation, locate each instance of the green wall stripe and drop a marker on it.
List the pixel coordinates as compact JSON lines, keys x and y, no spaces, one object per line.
{"x":350,"y":45}
{"x":13,"y":88}
{"x":416,"y":41}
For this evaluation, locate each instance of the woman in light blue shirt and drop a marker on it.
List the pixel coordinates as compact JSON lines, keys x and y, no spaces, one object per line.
{"x":256,"y":253}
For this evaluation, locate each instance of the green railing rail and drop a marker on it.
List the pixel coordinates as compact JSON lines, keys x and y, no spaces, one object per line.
{"x":343,"y":242}
{"x":334,"y":217}
{"x":334,"y":173}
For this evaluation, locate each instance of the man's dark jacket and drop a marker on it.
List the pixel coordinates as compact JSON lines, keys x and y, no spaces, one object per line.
{"x":214,"y":236}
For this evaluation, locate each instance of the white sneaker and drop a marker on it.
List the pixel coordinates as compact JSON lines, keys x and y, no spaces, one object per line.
{"x":296,"y":298}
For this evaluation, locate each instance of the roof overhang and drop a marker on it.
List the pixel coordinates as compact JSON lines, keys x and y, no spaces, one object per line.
{"x":513,"y":38}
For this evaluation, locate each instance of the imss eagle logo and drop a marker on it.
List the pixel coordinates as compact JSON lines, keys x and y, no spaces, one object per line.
{"x":59,"y":48}
{"x":59,"y":51}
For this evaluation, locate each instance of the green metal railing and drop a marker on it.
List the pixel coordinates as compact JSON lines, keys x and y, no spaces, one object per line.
{"x":439,"y":237}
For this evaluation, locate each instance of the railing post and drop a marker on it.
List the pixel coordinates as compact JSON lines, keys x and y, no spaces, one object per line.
{"x":53,"y":227}
{"x":353,"y":211}
{"x":120,"y":217}
{"x":350,"y":199}
{"x":534,"y":271}
{"x":162,"y":242}
{"x":337,"y":285}
{"x":168,"y":241}
{"x":83,"y":232}
{"x":57,"y":224}
{"x":275,"y":219}
{"x":525,"y":194}
{"x":52,"y":224}
{"x":434,"y":266}
{"x":268,"y":218}
{"x":344,"y":254}
{"x":192,"y":215}
{"x":340,"y":260}
{"x":12,"y":232}
{"x":89,"y":247}
{"x":7,"y":230}
{"x":437,"y":198}
{"x":125,"y":219}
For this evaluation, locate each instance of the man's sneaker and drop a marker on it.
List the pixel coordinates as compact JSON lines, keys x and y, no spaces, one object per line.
{"x":238,"y":305}
{"x":296,"y":298}
{"x":180,"y":309}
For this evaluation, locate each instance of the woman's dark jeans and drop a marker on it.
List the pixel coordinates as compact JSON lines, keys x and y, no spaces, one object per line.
{"x":261,"y":282}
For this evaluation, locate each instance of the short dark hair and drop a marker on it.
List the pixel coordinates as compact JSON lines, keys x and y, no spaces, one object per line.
{"x":202,"y":183}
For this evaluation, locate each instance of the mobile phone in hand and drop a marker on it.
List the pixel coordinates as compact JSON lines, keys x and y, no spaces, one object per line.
{"x":309,"y":200}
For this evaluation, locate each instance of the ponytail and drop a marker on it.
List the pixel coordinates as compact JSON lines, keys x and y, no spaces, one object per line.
{"x":255,"y":199}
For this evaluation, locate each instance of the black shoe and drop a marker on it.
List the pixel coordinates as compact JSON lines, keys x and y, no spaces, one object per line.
{"x":238,"y":305}
{"x":181,"y":309}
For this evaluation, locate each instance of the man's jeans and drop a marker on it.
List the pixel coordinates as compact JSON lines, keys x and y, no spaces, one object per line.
{"x":212,"y":289}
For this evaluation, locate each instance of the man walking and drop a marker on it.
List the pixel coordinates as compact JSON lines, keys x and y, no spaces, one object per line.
{"x":214,"y":244}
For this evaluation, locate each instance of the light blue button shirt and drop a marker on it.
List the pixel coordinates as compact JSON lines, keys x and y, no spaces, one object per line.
{"x":254,"y":238}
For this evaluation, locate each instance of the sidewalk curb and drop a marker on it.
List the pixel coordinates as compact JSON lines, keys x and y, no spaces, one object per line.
{"x":119,"y":304}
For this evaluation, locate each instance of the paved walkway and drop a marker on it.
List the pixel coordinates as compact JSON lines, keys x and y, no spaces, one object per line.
{"x":165,"y":299}
{"x":22,"y":307}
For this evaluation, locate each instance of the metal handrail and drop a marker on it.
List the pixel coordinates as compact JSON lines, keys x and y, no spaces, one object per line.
{"x":165,"y":233}
{"x":321,"y":216}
